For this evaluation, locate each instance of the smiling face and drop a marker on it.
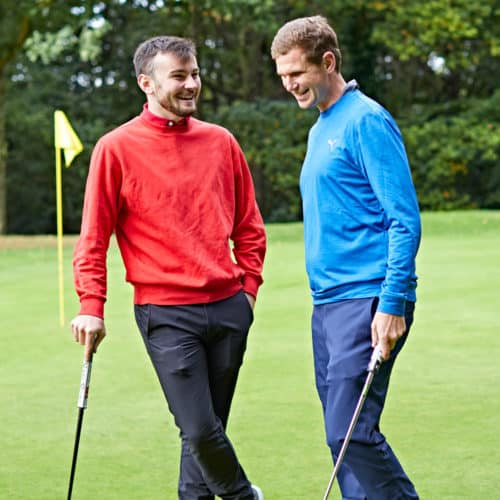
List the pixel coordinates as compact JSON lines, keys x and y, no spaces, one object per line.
{"x":312,"y":85}
{"x":173,"y":87}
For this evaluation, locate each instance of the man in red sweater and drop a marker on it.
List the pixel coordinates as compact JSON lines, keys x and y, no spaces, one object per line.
{"x":176,"y":191}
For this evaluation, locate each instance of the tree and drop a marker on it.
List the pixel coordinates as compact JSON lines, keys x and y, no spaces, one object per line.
{"x":54,"y":24}
{"x":429,"y":62}
{"x":102,"y":81}
{"x":437,"y":51}
{"x":15,"y":28}
{"x":87,"y":74}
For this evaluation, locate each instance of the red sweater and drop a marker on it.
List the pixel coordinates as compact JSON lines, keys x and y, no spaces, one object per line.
{"x":174,"y":196}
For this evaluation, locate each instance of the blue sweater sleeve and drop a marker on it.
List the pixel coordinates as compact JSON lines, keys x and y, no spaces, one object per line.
{"x":382,"y":155}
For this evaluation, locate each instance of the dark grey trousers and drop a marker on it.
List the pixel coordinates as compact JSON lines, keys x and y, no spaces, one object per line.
{"x":197,"y":351}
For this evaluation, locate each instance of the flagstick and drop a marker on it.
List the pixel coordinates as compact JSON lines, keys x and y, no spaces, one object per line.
{"x":65,"y":139}
{"x":60,"y":234}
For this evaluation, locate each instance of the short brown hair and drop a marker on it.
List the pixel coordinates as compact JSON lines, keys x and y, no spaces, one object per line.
{"x":312,"y":34}
{"x":183,"y":48}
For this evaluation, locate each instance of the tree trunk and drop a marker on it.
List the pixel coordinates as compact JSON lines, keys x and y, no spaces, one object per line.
{"x":3,"y":158}
{"x":20,"y":24}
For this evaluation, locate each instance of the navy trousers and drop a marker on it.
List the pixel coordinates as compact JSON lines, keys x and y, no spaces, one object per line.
{"x":342,"y":349}
{"x":197,"y":351}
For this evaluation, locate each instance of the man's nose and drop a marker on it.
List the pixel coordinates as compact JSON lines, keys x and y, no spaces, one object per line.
{"x":288,"y":83}
{"x":192,"y":82}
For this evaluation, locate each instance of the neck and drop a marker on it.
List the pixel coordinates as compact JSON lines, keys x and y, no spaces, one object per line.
{"x":336,"y":89}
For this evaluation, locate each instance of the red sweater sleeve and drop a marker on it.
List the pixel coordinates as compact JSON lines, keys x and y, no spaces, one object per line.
{"x":98,"y":222}
{"x":248,"y":235}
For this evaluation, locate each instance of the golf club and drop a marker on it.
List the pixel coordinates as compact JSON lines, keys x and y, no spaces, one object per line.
{"x":82,"y":404}
{"x":374,"y":364}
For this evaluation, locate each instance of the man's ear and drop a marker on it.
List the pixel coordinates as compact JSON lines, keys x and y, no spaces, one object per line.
{"x":145,"y":83}
{"x":329,"y":61}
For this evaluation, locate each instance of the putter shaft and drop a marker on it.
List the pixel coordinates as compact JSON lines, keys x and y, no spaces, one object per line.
{"x":82,"y":404}
{"x":75,"y":451}
{"x":373,"y":366}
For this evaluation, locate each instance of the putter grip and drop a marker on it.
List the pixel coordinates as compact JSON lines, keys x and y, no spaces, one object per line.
{"x":376,"y":359}
{"x":84,"y":384}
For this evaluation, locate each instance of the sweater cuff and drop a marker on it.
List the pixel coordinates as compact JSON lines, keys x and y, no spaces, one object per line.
{"x":251,"y":284}
{"x":92,"y":307}
{"x":392,"y":304}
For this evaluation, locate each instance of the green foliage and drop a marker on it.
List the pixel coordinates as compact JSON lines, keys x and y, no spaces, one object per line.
{"x":413,"y":51}
{"x":273,"y":136}
{"x":30,"y":133}
{"x":431,"y":63}
{"x":49,"y":46}
{"x":455,"y":155}
{"x":449,"y":29}
{"x":31,"y":182}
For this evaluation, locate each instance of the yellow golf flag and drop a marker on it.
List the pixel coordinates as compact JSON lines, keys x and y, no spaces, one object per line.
{"x":65,"y":137}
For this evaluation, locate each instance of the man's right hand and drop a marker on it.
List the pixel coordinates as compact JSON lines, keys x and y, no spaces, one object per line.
{"x":88,"y":331}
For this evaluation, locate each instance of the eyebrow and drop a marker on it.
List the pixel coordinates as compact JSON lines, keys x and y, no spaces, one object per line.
{"x":183,"y":71}
{"x":293,"y":72}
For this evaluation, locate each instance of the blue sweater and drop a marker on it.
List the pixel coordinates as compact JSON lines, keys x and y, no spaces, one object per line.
{"x":361,"y":216}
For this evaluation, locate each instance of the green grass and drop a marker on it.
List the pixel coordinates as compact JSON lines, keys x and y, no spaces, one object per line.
{"x":441,"y":417}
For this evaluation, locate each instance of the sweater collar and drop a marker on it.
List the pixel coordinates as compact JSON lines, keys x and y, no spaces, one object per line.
{"x":162,"y":122}
{"x":350,"y":86}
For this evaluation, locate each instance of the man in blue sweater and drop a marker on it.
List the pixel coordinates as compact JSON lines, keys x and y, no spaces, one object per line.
{"x":362,"y":232}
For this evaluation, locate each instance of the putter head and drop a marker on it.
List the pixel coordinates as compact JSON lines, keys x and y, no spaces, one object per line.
{"x":376,"y":360}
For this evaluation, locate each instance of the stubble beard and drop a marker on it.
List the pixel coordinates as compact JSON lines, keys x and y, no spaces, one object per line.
{"x":171,"y":105}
